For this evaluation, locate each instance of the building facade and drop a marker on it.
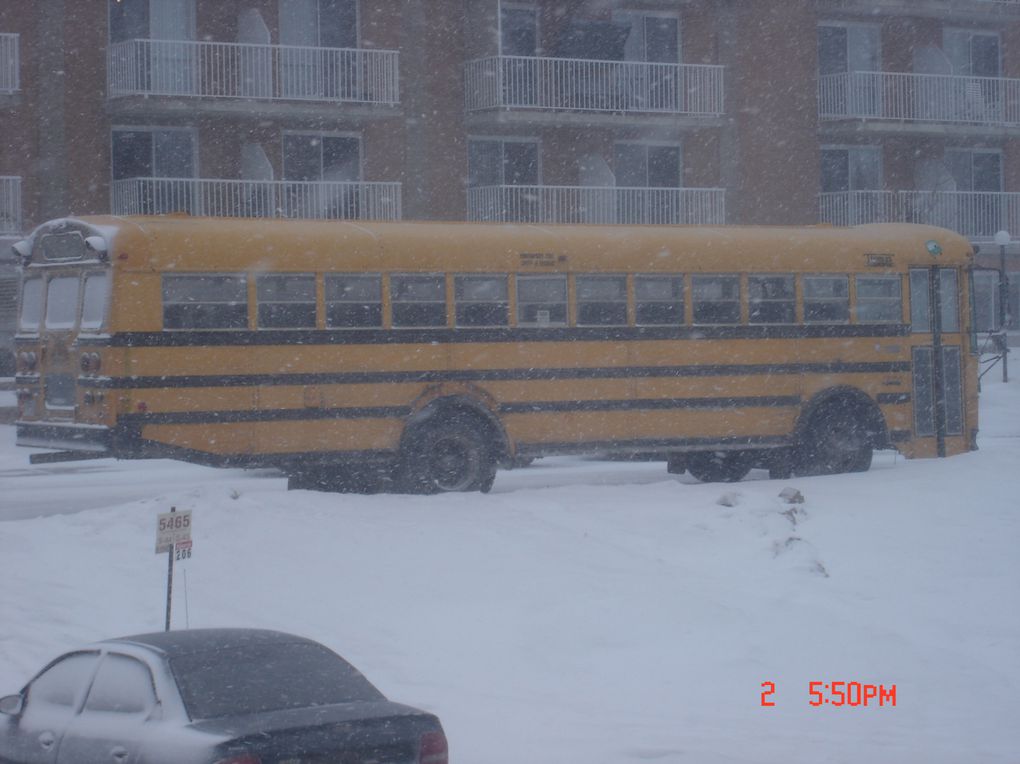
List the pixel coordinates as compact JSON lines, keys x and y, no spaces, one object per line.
{"x":582,"y":111}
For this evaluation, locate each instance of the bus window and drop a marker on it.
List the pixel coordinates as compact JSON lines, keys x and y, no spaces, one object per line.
{"x":542,"y":300}
{"x":202,"y":301}
{"x":481,"y":300}
{"x":716,"y":299}
{"x":601,"y":300}
{"x":354,"y":301}
{"x":827,"y":299}
{"x":773,"y":300}
{"x":93,"y":304}
{"x":418,"y":299}
{"x":879,"y":299}
{"x":31,"y":305}
{"x":920,"y":301}
{"x":62,"y":302}
{"x":949,"y":299}
{"x":658,"y":300}
{"x":285,"y":301}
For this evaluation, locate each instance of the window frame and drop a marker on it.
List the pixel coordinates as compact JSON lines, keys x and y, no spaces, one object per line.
{"x":241,"y":275}
{"x":519,"y":304}
{"x":679,"y":302}
{"x":579,"y":303}
{"x":459,"y":302}
{"x":394,"y":278}
{"x":739,"y":301}
{"x":261,"y":278}
{"x":896,"y":278}
{"x":327,"y":302}
{"x":805,"y":300}
{"x":790,"y":301}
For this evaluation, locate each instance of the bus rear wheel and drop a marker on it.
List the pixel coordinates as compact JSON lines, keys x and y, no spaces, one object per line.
{"x":719,"y":466}
{"x":447,"y":457}
{"x":838,"y":440}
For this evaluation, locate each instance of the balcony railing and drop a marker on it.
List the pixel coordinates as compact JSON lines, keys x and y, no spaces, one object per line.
{"x":10,"y":204}
{"x":237,"y":70}
{"x":321,"y":200}
{"x":590,"y":204}
{"x":974,"y":214}
{"x":919,"y":98}
{"x":10,"y":64}
{"x":527,"y":82}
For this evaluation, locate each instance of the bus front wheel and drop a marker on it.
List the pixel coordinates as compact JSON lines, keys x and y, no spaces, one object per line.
{"x":446,"y":457}
{"x":719,"y":466}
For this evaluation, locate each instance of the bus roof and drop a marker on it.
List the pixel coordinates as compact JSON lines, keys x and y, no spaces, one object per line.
{"x":181,"y":242}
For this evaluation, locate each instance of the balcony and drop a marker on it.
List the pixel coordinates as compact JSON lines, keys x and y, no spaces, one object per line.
{"x":618,"y":87}
{"x":974,"y":214}
{"x":597,"y":205}
{"x":10,"y":204}
{"x":223,"y":70}
{"x":319,"y":200}
{"x":9,"y":64}
{"x":920,"y":98}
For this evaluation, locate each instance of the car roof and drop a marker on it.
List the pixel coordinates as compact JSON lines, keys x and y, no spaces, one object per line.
{"x":189,"y":641}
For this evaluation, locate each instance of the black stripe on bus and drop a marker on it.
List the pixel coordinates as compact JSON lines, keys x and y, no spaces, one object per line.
{"x":179,"y":338}
{"x":653,"y":444}
{"x":391,"y":412}
{"x":651,"y":404}
{"x":490,"y":375}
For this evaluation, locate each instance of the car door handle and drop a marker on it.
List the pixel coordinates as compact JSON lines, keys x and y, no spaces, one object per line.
{"x":47,"y":739}
{"x":119,"y":754}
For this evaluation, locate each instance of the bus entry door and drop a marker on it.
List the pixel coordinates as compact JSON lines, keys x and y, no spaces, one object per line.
{"x":937,"y":354}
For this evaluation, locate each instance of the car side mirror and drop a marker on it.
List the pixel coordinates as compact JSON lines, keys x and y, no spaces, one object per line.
{"x":11,"y":705}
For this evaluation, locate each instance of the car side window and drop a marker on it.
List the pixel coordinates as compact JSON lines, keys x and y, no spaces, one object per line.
{"x":122,"y":685}
{"x":63,"y":683}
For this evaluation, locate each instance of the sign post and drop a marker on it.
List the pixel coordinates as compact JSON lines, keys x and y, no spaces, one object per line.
{"x":173,"y":534}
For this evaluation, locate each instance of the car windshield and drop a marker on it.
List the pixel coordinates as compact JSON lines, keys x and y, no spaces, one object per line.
{"x":253,"y":679}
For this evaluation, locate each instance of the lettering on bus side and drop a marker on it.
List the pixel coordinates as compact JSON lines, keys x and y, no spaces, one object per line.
{"x":542,"y":260}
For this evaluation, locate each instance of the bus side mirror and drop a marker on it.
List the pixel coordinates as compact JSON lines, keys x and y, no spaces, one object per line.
{"x":22,"y":249}
{"x":96,"y":244}
{"x":12,"y":705}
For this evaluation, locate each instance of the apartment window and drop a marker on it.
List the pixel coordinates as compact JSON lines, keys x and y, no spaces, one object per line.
{"x":826,"y":299}
{"x":152,"y":20}
{"x":326,"y":168}
{"x":518,"y":30}
{"x":418,"y":299}
{"x":353,"y":301}
{"x":658,"y":300}
{"x":153,"y":153}
{"x":652,"y":37}
{"x":973,"y":53}
{"x":542,"y":300}
{"x":205,"y":301}
{"x":639,"y":165}
{"x":772,"y":299}
{"x":285,"y":301}
{"x":980,"y":211}
{"x":499,"y":162}
{"x":716,"y":299}
{"x":601,"y":300}
{"x":319,"y":23}
{"x":481,"y":301}
{"x":848,"y":48}
{"x":853,"y":168}
{"x":879,"y":299}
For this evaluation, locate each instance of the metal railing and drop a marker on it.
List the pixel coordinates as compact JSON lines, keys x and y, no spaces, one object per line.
{"x":919,"y":98}
{"x":528,"y":82}
{"x":239,"y":70}
{"x":321,"y":200}
{"x":591,"y":204}
{"x":10,"y":63}
{"x":10,"y":204}
{"x":974,"y":214}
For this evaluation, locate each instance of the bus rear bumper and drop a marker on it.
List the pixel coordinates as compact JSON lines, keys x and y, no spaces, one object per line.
{"x":92,"y":441}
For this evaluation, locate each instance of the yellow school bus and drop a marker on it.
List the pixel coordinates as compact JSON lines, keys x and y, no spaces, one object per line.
{"x":430,"y":354}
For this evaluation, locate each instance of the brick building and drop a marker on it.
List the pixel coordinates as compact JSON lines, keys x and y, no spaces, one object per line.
{"x":597,"y":111}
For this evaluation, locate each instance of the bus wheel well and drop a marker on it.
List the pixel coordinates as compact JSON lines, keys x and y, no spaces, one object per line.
{"x":837,"y":432}
{"x":451,"y":445}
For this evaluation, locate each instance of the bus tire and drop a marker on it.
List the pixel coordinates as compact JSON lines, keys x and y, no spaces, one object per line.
{"x":447,"y":457}
{"x":719,"y":466}
{"x":838,"y":439}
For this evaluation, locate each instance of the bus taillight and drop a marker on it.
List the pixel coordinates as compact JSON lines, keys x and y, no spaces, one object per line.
{"x":27,"y":361}
{"x":90,"y":363}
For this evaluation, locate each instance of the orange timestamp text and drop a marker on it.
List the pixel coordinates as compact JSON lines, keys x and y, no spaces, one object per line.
{"x":838,"y":694}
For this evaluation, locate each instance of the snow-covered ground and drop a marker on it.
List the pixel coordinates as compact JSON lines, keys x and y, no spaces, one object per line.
{"x":583,"y":611}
